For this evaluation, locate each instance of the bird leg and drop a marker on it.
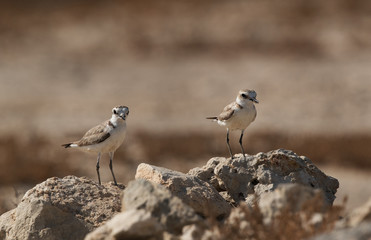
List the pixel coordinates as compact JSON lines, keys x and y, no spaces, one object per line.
{"x":98,"y":168}
{"x":229,"y":147}
{"x":110,"y":166}
{"x":243,"y":152}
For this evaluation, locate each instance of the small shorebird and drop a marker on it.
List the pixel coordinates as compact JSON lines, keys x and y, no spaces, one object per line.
{"x":105,"y":137}
{"x":238,"y":115}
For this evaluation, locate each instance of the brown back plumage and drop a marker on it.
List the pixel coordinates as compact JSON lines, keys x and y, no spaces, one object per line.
{"x":228,"y":111}
{"x":94,"y":135}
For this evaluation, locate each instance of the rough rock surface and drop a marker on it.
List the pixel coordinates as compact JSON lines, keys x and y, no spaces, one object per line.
{"x":148,"y":210}
{"x":359,"y":215}
{"x":165,"y":204}
{"x":198,"y":194}
{"x":132,"y":224}
{"x":170,"y":210}
{"x":66,"y":208}
{"x":290,"y":197}
{"x":357,"y":225}
{"x":241,"y":179}
{"x":360,"y":232}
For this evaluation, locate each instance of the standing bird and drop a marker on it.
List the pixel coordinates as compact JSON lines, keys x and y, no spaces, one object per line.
{"x":105,"y":137}
{"x":238,"y":115}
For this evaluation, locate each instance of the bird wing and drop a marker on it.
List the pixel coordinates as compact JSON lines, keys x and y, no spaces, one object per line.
{"x":227,"y":112}
{"x":95,"y":135}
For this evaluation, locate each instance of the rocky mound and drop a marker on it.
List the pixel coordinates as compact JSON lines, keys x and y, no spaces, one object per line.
{"x":264,"y":196}
{"x":198,"y":194}
{"x":242,"y":179}
{"x":66,"y":208}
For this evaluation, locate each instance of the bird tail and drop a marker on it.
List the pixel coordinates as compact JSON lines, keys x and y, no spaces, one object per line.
{"x":67,"y":145}
{"x":212,"y":118}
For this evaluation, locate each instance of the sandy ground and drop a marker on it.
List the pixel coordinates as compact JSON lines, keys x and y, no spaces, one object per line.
{"x":172,"y":94}
{"x":175,"y":63}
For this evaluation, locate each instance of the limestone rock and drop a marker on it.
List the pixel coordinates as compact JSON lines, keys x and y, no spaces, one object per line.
{"x":132,"y":224}
{"x":356,"y":217}
{"x":149,"y":210}
{"x":198,"y":232}
{"x":170,"y":211}
{"x":359,"y":215}
{"x":6,"y":223}
{"x":240,"y":179}
{"x":292,"y":198}
{"x":66,"y":208}
{"x":198,"y":194}
{"x":360,"y":232}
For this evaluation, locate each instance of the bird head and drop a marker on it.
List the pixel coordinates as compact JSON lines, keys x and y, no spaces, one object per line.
{"x":247,"y":95}
{"x":121,"y":112}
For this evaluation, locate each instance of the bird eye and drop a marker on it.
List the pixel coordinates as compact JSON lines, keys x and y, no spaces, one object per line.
{"x":114,"y":111}
{"x":244,"y":95}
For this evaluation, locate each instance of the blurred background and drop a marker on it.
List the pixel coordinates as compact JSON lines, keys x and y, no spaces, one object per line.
{"x":65,"y":64}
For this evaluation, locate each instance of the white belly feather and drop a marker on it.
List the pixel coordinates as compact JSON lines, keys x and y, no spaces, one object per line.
{"x":240,"y":119}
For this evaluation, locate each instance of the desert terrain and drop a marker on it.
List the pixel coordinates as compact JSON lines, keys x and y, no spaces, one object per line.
{"x":63,"y":66}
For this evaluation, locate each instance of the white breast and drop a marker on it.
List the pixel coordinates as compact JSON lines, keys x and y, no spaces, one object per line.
{"x":116,"y":139}
{"x":241,"y":118}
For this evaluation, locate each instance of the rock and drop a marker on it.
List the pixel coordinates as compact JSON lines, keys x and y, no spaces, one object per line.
{"x":132,"y":224}
{"x":291,"y":198}
{"x":6,"y":223}
{"x":291,"y":211}
{"x":360,"y":232}
{"x":66,"y":208}
{"x":359,"y":215}
{"x":170,"y":211}
{"x":194,"y":231}
{"x":240,"y":179}
{"x":165,"y":204}
{"x":149,"y":210}
{"x":41,"y":220}
{"x":356,"y":217}
{"x":198,"y":194}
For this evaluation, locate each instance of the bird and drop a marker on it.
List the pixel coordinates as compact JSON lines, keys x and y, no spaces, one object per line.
{"x":104,"y":138}
{"x":238,"y":115}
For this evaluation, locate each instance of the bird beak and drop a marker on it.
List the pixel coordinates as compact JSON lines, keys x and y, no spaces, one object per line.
{"x":255,"y":100}
{"x":123,"y":117}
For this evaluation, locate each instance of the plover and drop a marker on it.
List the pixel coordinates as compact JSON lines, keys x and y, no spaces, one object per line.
{"x":238,"y":115}
{"x":105,"y":137}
